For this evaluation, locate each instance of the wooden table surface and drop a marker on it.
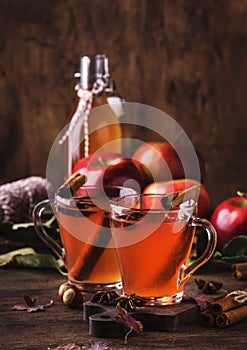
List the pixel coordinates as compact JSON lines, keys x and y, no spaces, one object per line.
{"x":60,"y":325}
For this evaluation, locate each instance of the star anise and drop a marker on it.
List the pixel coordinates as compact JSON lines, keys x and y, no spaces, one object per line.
{"x":208,"y":287}
{"x":107,"y":297}
{"x":130,"y":302}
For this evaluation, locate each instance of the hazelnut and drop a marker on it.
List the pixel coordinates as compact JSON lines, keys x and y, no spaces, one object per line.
{"x":63,"y":288}
{"x":70,"y":295}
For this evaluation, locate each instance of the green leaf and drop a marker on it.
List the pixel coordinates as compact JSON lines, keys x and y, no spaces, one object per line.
{"x":233,"y":252}
{"x":236,"y":248}
{"x":234,"y":259}
{"x":38,"y":261}
{"x":216,"y":256}
{"x":27,"y":257}
{"x":7,"y":258}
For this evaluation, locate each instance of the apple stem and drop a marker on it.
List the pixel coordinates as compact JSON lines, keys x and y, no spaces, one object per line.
{"x":242,"y":194}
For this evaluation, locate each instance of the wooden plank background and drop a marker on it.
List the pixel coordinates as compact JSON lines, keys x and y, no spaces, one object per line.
{"x":185,"y":57}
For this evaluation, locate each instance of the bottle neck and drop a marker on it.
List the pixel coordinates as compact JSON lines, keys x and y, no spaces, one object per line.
{"x":99,"y":88}
{"x":95,"y":79}
{"x":94,"y":74}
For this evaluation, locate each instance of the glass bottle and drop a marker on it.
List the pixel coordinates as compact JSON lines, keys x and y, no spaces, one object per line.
{"x":94,"y":124}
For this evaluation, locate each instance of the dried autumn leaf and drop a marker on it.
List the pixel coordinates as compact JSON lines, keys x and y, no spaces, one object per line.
{"x":202,"y":300}
{"x":73,"y":346}
{"x":127,"y":320}
{"x":28,"y":300}
{"x":98,"y":346}
{"x":70,"y":346}
{"x":30,"y":305}
{"x":23,"y":307}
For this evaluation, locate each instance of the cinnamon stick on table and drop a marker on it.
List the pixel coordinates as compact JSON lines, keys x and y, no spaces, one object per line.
{"x":226,"y":311}
{"x":224,"y":304}
{"x":207,"y":318}
{"x":230,"y":317}
{"x":240,"y":271}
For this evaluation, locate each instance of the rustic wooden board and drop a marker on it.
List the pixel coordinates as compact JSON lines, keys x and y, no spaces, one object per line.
{"x":102,"y":321}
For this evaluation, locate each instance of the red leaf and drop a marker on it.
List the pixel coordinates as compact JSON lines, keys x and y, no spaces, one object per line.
{"x":203,"y":300}
{"x":127,"y":320}
{"x":23,"y":307}
{"x":20,"y":307}
{"x":30,"y":306}
{"x":28,"y":300}
{"x":70,"y":346}
{"x":98,"y":346}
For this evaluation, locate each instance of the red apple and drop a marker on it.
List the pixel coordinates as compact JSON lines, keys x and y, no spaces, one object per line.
{"x":230,"y":219}
{"x":94,"y":166}
{"x":165,"y":163}
{"x":114,"y":170}
{"x":165,"y":187}
{"x":127,"y":172}
{"x":161,"y":159}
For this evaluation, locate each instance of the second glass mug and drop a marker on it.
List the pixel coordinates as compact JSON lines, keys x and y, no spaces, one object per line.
{"x":87,"y":249}
{"x":153,"y":246}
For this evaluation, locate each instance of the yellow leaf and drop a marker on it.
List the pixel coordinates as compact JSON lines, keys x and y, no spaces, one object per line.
{"x":7,"y":257}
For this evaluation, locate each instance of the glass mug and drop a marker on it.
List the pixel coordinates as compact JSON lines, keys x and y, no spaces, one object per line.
{"x":153,"y":245}
{"x":87,"y":249}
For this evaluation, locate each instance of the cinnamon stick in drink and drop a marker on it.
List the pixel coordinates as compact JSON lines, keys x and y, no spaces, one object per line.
{"x":240,"y":271}
{"x":175,"y":199}
{"x":230,"y":317}
{"x":72,"y":185}
{"x":91,"y":253}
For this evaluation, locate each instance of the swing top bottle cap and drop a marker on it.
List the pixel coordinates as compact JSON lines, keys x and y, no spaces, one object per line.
{"x":93,"y":69}
{"x":85,"y":72}
{"x":101,"y":67}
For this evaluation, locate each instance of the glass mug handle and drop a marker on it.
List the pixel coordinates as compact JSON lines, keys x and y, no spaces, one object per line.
{"x":41,"y":231}
{"x":187,"y":271}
